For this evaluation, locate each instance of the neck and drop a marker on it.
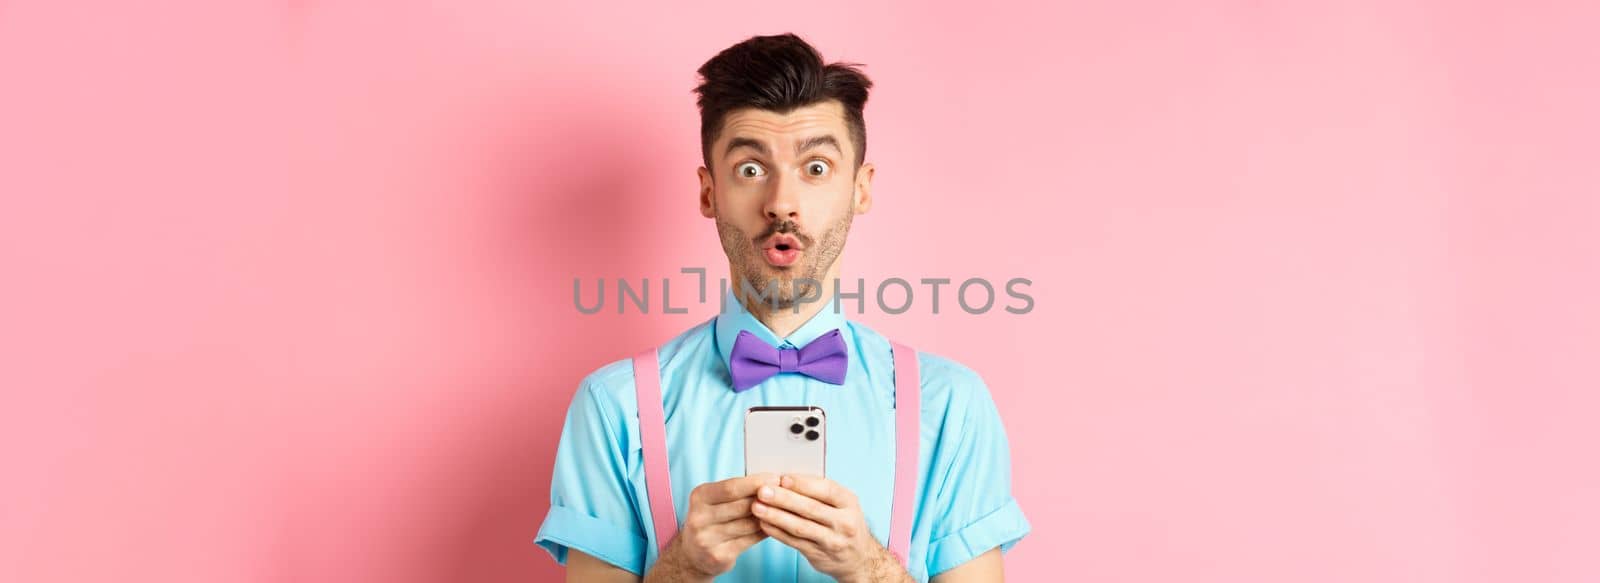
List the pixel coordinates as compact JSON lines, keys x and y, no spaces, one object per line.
{"x":784,"y":321}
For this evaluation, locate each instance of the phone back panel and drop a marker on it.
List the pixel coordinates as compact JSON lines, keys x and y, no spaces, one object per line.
{"x":772,"y":444}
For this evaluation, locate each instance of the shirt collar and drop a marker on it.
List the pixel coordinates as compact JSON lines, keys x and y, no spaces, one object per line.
{"x":735,"y":318}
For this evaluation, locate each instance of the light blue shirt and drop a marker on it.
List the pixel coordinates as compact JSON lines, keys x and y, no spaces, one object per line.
{"x":598,"y":501}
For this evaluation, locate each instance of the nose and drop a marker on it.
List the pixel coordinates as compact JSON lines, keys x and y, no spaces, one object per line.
{"x":783,"y":202}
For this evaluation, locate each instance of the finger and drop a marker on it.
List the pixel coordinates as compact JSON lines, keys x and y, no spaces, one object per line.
{"x":799,"y":504}
{"x":726,"y":511}
{"x":792,"y":524}
{"x":738,"y":528}
{"x":733,"y":488}
{"x":820,"y":489}
{"x":743,"y":543}
{"x":806,"y":547}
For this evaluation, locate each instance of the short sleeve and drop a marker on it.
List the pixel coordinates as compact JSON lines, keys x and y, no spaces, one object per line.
{"x":591,"y":508}
{"x":975,"y":511}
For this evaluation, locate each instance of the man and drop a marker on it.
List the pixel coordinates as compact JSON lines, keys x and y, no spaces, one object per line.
{"x":784,"y":143}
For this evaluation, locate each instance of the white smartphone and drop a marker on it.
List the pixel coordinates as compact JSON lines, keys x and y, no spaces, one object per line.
{"x":785,"y":440}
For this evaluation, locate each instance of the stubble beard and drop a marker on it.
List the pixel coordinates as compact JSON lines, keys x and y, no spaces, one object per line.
{"x":792,"y":283}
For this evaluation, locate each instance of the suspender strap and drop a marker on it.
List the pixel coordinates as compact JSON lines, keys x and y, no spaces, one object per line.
{"x":908,"y":443}
{"x":907,"y":446}
{"x":653,"y":438}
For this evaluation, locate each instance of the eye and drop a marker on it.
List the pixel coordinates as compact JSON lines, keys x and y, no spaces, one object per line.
{"x":749,"y":170}
{"x":818,"y":168}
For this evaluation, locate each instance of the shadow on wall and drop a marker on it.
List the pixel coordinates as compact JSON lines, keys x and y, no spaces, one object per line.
{"x":535,"y":187}
{"x":569,"y":184}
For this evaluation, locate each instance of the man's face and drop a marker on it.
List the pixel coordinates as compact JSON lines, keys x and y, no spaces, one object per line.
{"x":783,"y":189}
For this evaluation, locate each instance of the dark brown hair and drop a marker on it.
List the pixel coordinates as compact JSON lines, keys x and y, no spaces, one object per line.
{"x":778,"y":73}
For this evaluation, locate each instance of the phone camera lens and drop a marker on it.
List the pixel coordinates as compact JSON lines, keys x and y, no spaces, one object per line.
{"x":812,"y":421}
{"x":812,"y":435}
{"x":796,"y":428}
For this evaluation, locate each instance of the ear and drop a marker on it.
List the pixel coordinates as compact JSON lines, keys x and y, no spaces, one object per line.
{"x":708,"y":202}
{"x":863,"y":189}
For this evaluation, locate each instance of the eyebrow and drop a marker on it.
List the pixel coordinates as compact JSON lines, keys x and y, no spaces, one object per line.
{"x":809,"y":143}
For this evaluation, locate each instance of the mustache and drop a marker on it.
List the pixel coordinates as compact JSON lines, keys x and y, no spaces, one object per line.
{"x":787,"y":227}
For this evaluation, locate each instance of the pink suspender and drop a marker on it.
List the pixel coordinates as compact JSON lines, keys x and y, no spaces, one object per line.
{"x":653,"y":437}
{"x":907,"y":430}
{"x":908,"y":441}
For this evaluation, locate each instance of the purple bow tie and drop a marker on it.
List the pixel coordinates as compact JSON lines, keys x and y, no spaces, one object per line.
{"x":754,"y":360}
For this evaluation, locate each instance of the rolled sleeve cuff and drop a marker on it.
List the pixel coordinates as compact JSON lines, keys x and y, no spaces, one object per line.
{"x":1002,"y":528}
{"x":565,"y":528}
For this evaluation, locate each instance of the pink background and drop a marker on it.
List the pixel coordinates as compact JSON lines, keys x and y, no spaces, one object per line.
{"x":287,"y":286}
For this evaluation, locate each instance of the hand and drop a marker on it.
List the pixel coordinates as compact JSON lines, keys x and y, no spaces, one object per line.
{"x":718,"y":528}
{"x":823,"y":521}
